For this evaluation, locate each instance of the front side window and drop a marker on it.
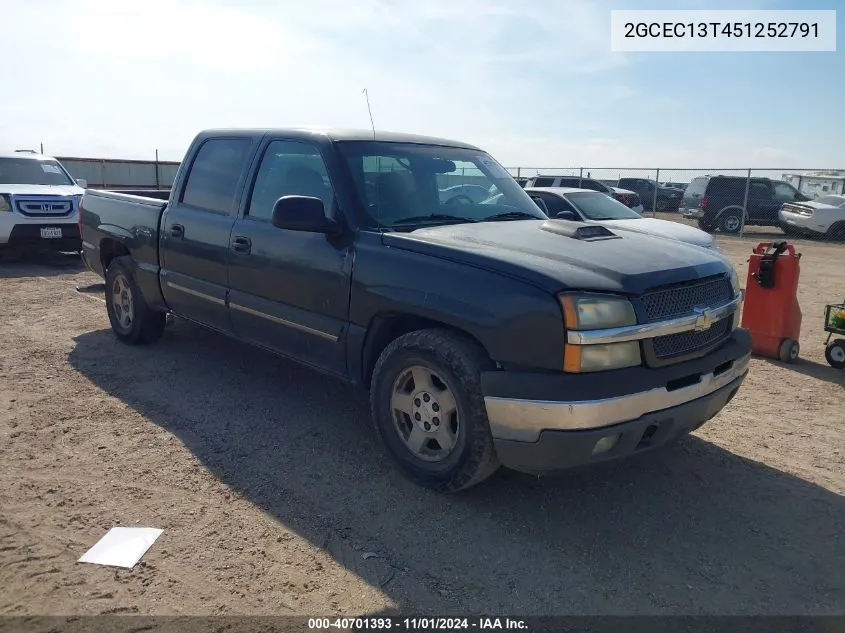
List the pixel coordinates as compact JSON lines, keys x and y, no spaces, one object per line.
{"x":289,"y":168}
{"x":405,"y":185}
{"x":30,"y":171}
{"x":786,"y":192}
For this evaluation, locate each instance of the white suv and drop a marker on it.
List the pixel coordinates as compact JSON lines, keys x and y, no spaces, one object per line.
{"x":39,"y":203}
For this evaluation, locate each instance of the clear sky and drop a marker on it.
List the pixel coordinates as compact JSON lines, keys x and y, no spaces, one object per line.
{"x":534,"y":82}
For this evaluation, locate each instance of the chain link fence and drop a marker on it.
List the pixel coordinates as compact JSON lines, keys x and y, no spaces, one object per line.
{"x":761,"y":202}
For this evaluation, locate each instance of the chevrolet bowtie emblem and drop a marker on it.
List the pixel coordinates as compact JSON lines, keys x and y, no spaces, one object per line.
{"x":704,"y":319}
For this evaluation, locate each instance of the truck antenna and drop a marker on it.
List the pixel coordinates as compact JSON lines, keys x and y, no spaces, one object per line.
{"x":373,"y":125}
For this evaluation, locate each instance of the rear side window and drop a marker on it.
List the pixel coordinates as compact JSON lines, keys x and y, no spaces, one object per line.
{"x":569,"y":182}
{"x":697,"y":187}
{"x":593,"y":185}
{"x":732,"y":187}
{"x":543,"y":182}
{"x":214,"y":175}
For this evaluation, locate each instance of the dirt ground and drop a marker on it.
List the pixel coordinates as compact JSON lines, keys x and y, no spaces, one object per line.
{"x":275,"y":497}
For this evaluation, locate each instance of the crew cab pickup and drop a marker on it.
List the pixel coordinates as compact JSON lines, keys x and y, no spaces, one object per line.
{"x":486,"y":334}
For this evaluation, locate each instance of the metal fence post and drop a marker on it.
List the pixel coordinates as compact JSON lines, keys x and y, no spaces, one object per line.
{"x":580,"y":177}
{"x":745,"y":203}
{"x":654,"y":197}
{"x":158,"y":183}
{"x":103,"y":172}
{"x":519,"y":172}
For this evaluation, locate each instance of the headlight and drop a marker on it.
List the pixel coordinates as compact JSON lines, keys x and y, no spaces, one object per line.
{"x":5,"y":203}
{"x":595,"y":312}
{"x":735,"y":282}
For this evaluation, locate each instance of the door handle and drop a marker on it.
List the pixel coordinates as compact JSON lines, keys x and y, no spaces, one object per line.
{"x":241,"y":244}
{"x":177,"y":231}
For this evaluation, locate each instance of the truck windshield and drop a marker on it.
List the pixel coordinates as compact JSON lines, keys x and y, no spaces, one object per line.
{"x":598,"y":206}
{"x":402,"y":185}
{"x":28,"y":171}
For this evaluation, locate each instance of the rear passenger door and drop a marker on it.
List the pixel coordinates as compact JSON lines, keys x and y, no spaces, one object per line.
{"x":195,"y":231}
{"x":289,"y":290}
{"x":762,"y":206}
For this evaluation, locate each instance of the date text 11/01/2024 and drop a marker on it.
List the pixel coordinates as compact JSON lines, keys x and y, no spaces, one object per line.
{"x":721,"y":29}
{"x":417,"y":623}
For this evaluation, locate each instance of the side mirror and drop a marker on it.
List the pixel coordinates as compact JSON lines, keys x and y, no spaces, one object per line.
{"x":303,"y":213}
{"x":566,"y":215}
{"x":82,"y":183}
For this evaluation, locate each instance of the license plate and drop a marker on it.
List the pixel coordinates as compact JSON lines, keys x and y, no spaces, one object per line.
{"x":50,"y":232}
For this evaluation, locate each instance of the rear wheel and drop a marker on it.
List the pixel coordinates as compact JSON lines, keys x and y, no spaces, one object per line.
{"x":730,"y":222}
{"x":791,"y":231}
{"x":428,"y":409}
{"x":837,"y":232}
{"x":834,"y":353}
{"x":131,"y":319}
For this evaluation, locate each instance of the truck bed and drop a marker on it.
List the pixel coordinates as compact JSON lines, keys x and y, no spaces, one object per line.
{"x":108,"y":218}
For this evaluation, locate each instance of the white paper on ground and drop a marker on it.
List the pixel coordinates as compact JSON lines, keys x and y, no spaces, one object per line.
{"x":121,"y":547}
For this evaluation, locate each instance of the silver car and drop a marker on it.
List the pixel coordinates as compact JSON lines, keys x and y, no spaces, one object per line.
{"x":589,"y":206}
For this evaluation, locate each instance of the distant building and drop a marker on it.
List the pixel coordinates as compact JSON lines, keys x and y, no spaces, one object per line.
{"x":817,"y":183}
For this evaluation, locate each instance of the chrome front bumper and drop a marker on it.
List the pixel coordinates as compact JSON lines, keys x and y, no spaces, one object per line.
{"x":524,"y":420}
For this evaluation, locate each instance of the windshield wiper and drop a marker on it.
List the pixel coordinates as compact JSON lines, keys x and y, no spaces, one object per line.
{"x":512,"y":215}
{"x":436,"y":217}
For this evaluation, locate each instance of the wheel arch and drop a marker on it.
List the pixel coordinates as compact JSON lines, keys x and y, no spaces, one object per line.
{"x":386,"y":327}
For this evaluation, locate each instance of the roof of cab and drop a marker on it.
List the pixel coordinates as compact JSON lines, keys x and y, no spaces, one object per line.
{"x":29,"y":155}
{"x":339,"y":134}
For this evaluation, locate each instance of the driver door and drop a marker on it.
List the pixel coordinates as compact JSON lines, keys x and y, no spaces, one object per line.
{"x":289,"y":290}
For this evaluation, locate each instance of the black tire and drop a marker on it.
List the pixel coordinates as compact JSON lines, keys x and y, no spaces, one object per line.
{"x":730,"y":222}
{"x":146,"y":325}
{"x":790,"y":231}
{"x":836,"y":232}
{"x":662,"y":204}
{"x":834,"y":353}
{"x":789,"y":350}
{"x":459,"y":360}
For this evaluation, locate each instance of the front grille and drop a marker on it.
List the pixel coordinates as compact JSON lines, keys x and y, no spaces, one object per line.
{"x":688,"y":342}
{"x":679,"y":301}
{"x":45,"y":207}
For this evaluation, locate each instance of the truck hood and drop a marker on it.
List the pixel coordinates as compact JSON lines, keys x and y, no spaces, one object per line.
{"x":663,"y":228}
{"x":530,"y":250}
{"x":42,"y":190}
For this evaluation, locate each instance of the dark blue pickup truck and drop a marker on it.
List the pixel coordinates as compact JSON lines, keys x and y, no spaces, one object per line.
{"x":486,"y":332}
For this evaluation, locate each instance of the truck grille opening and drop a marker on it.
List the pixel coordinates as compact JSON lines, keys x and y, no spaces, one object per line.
{"x":687,"y":342}
{"x":678,"y":301}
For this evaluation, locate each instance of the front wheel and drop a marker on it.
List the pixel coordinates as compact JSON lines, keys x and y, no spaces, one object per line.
{"x":429,"y":411}
{"x":131,"y":319}
{"x":834,"y":353}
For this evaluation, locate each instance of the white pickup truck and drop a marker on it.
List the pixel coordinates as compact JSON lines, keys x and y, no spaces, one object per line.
{"x":39,"y":203}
